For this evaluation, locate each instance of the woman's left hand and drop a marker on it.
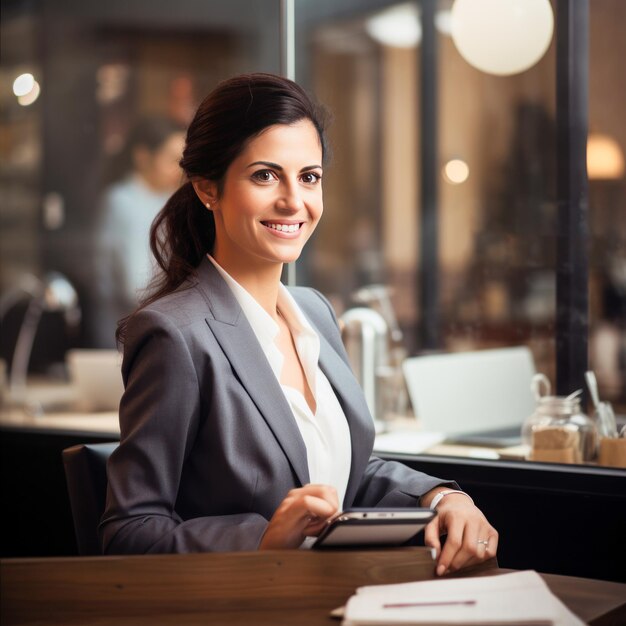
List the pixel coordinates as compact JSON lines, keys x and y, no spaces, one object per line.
{"x":470,"y":537}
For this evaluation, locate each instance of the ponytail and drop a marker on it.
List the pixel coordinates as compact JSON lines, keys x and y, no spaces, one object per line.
{"x":180,"y":235}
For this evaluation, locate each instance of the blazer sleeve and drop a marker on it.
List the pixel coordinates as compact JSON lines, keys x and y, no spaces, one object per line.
{"x":159,"y":415}
{"x":393,"y":484}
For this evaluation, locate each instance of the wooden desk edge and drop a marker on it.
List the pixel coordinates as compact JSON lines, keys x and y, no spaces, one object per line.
{"x":71,"y":589}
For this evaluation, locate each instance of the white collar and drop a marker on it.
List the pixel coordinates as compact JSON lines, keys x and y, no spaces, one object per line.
{"x":266,"y":329}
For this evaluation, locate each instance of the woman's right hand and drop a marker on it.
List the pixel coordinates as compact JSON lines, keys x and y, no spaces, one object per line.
{"x":301,"y":514}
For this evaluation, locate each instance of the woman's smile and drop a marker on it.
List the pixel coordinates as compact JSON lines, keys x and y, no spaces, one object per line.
{"x":283,"y":228}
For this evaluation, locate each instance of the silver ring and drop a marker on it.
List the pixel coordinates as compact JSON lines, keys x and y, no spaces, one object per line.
{"x":485,"y":542}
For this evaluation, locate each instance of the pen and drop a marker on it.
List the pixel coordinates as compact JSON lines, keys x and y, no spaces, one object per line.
{"x":401,"y":605}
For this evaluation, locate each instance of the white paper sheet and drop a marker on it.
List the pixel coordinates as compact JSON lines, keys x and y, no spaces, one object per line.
{"x":516,"y":598}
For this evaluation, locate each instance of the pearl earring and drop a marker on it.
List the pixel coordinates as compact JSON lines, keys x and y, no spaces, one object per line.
{"x":208,"y":205}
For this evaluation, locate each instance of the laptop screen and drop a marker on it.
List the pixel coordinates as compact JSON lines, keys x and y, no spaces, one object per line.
{"x":465,"y":392}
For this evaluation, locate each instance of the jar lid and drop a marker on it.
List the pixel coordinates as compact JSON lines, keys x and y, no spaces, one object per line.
{"x":559,"y":404}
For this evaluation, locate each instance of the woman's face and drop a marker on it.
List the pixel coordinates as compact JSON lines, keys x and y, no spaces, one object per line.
{"x":271,"y":199}
{"x":160,"y":169}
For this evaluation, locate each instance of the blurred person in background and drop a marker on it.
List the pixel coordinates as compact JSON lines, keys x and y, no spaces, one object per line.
{"x":124,"y":264}
{"x":607,"y":343}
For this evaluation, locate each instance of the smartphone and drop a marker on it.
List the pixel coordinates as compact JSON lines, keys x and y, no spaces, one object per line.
{"x":373,"y":527}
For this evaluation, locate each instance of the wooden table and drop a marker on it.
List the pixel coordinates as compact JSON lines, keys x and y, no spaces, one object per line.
{"x":297,"y":587}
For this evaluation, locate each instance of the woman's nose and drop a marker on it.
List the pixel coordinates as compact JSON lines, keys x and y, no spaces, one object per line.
{"x":290,"y":198}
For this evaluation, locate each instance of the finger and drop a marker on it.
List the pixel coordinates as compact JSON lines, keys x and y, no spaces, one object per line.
{"x":486,"y":542}
{"x":312,"y":507}
{"x":454,"y":543}
{"x":471,"y":550}
{"x":478,"y":545}
{"x":307,"y":504}
{"x":325,"y":492}
{"x":314,"y":528}
{"x":302,"y":509}
{"x":431,"y":536}
{"x":492,"y":546}
{"x":482,"y":548}
{"x":292,"y":522}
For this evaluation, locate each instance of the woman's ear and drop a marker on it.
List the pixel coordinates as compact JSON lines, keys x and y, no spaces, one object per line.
{"x":206,"y":190}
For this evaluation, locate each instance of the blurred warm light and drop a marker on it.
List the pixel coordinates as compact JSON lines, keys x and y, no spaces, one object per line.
{"x":23,"y":84}
{"x":397,"y":26}
{"x":502,"y":37}
{"x":605,"y":159}
{"x":400,"y":27}
{"x":31,"y":96}
{"x":456,"y":171}
{"x":443,"y":22}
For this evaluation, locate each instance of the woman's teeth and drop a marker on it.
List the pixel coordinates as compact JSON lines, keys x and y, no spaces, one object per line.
{"x":285,"y":228}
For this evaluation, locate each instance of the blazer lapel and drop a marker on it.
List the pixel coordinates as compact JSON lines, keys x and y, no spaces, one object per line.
{"x":242,"y":349}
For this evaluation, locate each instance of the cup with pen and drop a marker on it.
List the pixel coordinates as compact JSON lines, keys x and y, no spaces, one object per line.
{"x":612,"y":444}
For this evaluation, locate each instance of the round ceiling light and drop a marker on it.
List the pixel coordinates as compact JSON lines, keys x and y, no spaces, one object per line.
{"x":502,"y":37}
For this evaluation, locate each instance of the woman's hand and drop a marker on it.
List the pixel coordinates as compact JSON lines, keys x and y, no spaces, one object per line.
{"x":470,"y":537}
{"x":301,"y":514}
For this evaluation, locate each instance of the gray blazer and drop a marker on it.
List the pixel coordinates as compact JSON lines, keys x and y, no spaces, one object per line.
{"x":209,"y":446}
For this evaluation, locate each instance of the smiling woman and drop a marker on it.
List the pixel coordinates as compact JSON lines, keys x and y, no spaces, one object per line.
{"x":242,"y":425}
{"x":267,"y":209}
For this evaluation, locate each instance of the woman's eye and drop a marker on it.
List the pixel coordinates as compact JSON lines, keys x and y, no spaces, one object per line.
{"x":311,"y":178}
{"x":263,"y":176}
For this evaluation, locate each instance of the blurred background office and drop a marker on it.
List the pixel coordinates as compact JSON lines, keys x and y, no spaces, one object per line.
{"x":77,"y":75}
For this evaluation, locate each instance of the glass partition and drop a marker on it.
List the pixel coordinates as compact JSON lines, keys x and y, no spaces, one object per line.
{"x":93,"y":73}
{"x":496,"y":200}
{"x":89,"y":159}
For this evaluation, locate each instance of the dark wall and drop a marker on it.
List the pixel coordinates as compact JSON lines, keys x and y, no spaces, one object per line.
{"x":37,"y":518}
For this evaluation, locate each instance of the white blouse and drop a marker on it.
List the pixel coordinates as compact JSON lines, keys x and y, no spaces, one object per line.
{"x":326,"y":434}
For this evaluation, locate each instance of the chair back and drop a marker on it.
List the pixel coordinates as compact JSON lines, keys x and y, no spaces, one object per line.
{"x":85,"y":474}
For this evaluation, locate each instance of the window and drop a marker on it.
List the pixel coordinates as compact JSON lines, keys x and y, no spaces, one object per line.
{"x":496,"y":209}
{"x":101,"y":67}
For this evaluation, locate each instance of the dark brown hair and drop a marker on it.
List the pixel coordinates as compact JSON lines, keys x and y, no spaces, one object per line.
{"x":235,"y":112}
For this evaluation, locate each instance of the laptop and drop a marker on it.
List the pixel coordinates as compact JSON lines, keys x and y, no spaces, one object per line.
{"x":477,"y":398}
{"x":97,"y":379}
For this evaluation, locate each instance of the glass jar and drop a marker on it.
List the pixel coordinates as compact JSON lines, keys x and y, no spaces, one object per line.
{"x":558,"y":431}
